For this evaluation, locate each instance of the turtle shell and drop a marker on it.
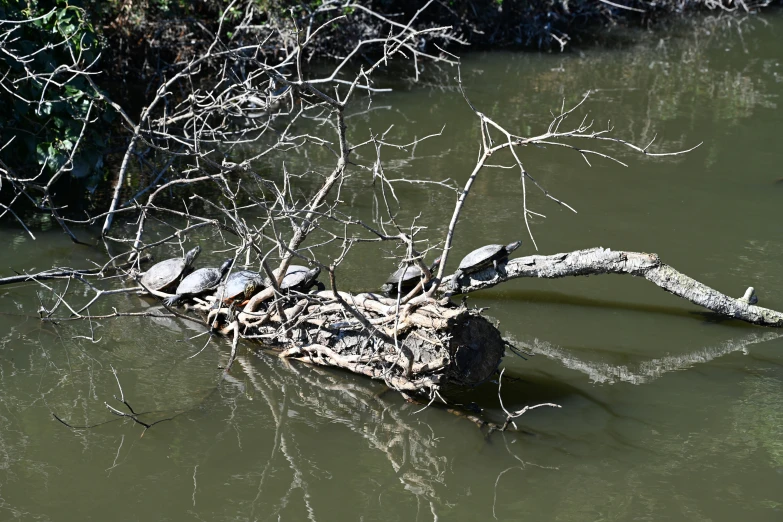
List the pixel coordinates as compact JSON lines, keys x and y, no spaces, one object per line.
{"x":406,"y":277}
{"x":406,"y":274}
{"x":482,"y":257}
{"x":237,"y":285}
{"x":203,"y":279}
{"x":299,"y":277}
{"x":200,"y":281}
{"x":485,"y":256}
{"x":163,"y":275}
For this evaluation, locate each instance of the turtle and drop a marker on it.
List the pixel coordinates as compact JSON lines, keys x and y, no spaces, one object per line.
{"x":161,"y":276}
{"x":485,"y":257}
{"x":200,"y":281}
{"x":299,"y":278}
{"x":409,"y":275}
{"x":239,"y":286}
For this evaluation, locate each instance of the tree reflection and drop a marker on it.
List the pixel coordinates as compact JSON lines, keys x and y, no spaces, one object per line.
{"x":650,"y":370}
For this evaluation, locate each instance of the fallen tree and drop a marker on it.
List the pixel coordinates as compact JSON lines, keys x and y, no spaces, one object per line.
{"x":414,"y":350}
{"x":420,"y":347}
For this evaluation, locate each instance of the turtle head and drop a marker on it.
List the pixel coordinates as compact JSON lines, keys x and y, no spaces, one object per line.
{"x":435,"y":264}
{"x":192,"y":255}
{"x":315,"y":271}
{"x":226,"y":266}
{"x":513,"y":246}
{"x":252,"y":285}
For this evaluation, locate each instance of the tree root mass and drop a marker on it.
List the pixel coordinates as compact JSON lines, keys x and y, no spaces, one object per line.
{"x":418,"y":350}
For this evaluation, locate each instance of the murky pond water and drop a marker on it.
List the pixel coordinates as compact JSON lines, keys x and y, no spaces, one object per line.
{"x":666,"y":412}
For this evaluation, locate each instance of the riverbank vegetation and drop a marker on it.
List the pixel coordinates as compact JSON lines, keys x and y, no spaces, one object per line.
{"x":63,"y":58}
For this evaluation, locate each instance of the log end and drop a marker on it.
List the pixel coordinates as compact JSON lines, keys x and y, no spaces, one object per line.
{"x":476,"y":349}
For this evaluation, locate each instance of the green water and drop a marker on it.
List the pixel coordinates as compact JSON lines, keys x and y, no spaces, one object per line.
{"x":667,"y":413}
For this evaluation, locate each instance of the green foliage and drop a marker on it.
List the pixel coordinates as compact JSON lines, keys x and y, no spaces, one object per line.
{"x":50,"y":99}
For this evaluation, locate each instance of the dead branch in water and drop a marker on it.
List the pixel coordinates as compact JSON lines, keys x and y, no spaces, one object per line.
{"x":597,"y":261}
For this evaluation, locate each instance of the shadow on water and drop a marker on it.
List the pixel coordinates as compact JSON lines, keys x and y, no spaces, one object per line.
{"x":560,"y":298}
{"x":648,"y":370}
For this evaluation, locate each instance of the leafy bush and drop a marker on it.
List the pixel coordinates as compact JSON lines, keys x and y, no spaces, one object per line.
{"x":50,"y":45}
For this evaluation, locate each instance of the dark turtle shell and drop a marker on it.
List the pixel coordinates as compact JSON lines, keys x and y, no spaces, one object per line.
{"x":239,"y":285}
{"x":406,"y":274}
{"x":409,"y":275}
{"x":163,"y":275}
{"x":485,"y":257}
{"x":200,"y":281}
{"x":299,"y":278}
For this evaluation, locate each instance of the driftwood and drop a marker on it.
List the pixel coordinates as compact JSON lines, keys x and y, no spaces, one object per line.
{"x":423,"y":345}
{"x":416,"y":349}
{"x":596,"y":261}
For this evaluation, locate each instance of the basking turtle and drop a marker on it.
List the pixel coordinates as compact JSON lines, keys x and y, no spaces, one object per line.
{"x":485,"y":257}
{"x":409,"y":275}
{"x":200,"y":281}
{"x":161,"y":276}
{"x":299,"y":278}
{"x":238,"y":287}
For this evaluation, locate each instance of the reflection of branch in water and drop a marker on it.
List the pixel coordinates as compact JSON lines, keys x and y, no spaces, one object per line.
{"x":511,"y":416}
{"x":195,"y":485}
{"x":133,"y":415}
{"x":260,"y":383}
{"x":522,"y":466}
{"x":297,"y":483}
{"x":651,"y":370}
{"x":117,"y":456}
{"x":409,"y":451}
